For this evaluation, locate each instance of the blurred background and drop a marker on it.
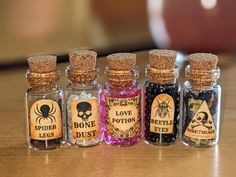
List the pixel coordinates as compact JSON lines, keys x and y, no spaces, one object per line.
{"x":30,"y":27}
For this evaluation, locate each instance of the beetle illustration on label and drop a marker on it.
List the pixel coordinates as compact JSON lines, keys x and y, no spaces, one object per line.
{"x":45,"y":120}
{"x":85,"y":119}
{"x":162,"y":114}
{"x":202,"y":125}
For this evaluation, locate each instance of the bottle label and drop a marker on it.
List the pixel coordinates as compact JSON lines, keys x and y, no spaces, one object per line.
{"x":123,"y":117}
{"x":202,"y":125}
{"x":162,"y":114}
{"x":45,"y":120}
{"x":85,"y":119}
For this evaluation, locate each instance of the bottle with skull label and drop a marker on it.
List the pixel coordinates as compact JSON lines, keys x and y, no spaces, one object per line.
{"x":161,"y":98}
{"x":82,"y":98}
{"x":201,"y":101}
{"x":44,"y":104}
{"x":121,"y":101}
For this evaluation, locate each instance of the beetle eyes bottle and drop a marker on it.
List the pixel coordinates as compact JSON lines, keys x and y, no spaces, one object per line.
{"x":201,"y":101}
{"x":121,"y":101}
{"x":161,"y":98}
{"x":43,"y":104}
{"x":82,"y":98}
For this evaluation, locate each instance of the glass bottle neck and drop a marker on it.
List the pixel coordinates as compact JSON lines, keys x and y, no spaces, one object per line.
{"x":121,"y":79}
{"x":109,"y":85}
{"x":169,"y":83}
{"x":43,"y":82}
{"x":81,"y":76}
{"x":162,"y":76}
{"x":44,"y":89}
{"x":202,"y":79}
{"x":94,"y":82}
{"x":83,"y":86}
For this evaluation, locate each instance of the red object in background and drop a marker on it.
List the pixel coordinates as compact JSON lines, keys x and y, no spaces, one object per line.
{"x":203,"y":25}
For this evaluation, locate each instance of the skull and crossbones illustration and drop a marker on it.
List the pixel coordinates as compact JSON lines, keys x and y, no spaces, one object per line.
{"x":84,"y":110}
{"x":202,"y":120}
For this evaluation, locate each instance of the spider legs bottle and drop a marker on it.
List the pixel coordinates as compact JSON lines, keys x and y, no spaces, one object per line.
{"x":120,"y":100}
{"x":161,"y":98}
{"x":82,"y":98}
{"x":43,"y":104}
{"x":201,"y":101}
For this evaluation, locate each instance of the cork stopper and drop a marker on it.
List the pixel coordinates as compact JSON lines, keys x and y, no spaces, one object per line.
{"x":82,"y":67}
{"x":203,"y":61}
{"x":121,"y":61}
{"x":161,"y":68}
{"x":42,"y":63}
{"x":121,"y":69}
{"x":42,"y":74}
{"x":202,"y":71}
{"x":83,"y":59}
{"x":162,"y":59}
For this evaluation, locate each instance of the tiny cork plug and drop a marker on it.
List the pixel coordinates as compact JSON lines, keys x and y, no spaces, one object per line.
{"x":42,"y":63}
{"x":121,"y":61}
{"x":202,"y":61}
{"x":83,"y":59}
{"x":162,"y":59}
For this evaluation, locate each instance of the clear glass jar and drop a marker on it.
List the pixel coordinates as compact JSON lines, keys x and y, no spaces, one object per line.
{"x":201,"y":111}
{"x":121,"y":109}
{"x":44,"y":116}
{"x":83,"y":118}
{"x":161,"y":108}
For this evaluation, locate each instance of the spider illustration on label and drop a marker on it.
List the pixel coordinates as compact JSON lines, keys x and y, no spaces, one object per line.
{"x":44,"y":113}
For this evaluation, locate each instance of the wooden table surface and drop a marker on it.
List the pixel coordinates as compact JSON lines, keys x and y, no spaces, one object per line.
{"x":106,"y":160}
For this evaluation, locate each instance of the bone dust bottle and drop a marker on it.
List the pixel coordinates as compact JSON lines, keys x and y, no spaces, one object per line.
{"x":161,"y":98}
{"x":82,"y":97}
{"x":121,"y":107}
{"x":201,"y":101}
{"x":44,"y":104}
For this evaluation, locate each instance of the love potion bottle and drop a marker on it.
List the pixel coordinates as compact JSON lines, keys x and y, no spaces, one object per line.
{"x":121,"y":101}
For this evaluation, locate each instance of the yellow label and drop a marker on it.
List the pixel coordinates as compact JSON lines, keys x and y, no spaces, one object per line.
{"x":123,"y":117}
{"x":85,"y":119}
{"x":194,"y":105}
{"x":45,"y":120}
{"x":202,"y":125}
{"x":162,"y":114}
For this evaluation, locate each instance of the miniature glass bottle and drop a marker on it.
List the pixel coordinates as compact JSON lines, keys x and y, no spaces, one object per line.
{"x":161,"y":98}
{"x":44,"y":101}
{"x":82,"y":98}
{"x":201,"y":101}
{"x":121,"y":101}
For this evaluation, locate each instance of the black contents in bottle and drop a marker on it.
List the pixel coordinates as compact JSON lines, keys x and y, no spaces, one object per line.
{"x":151,"y":91}
{"x":48,"y":144}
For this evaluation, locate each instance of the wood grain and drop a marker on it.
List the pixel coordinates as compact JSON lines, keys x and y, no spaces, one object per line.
{"x":105,"y":160}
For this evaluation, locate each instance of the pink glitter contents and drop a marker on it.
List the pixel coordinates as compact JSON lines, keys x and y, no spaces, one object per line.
{"x":129,"y":92}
